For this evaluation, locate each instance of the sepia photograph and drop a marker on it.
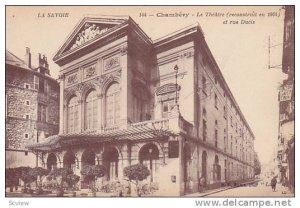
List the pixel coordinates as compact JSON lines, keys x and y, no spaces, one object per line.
{"x":150,"y":101}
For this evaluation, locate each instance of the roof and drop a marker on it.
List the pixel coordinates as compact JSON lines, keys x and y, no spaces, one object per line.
{"x":12,"y":59}
{"x":133,"y":133}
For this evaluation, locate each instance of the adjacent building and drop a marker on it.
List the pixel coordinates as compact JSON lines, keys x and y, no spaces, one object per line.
{"x":32,"y":107}
{"x":127,"y":99}
{"x":286,"y":137}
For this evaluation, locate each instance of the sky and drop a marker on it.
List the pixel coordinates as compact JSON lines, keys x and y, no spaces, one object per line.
{"x":240,"y":50}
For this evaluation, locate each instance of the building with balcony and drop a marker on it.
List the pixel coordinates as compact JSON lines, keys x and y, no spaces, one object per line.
{"x":286,"y":137}
{"x":32,"y":107}
{"x":127,"y":99}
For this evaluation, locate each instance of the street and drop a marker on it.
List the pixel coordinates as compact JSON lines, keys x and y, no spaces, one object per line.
{"x":261,"y":190}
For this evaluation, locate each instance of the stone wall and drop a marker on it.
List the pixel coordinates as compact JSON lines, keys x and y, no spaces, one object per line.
{"x":22,"y":99}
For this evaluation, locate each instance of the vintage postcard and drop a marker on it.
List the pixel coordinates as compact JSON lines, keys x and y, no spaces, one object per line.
{"x":150,"y":101}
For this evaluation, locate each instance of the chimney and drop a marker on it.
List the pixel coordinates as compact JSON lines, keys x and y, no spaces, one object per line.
{"x":28,"y":57}
{"x":43,"y":64}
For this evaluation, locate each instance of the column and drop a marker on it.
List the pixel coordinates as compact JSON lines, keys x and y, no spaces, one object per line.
{"x":81,"y":114}
{"x":99,"y":111}
{"x":126,"y":160}
{"x":124,"y":86}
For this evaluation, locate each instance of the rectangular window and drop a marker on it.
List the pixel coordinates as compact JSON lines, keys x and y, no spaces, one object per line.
{"x":216,"y":138}
{"x":231,"y":121}
{"x":27,"y":102}
{"x":27,"y":116}
{"x":167,"y":106}
{"x":26,"y":86}
{"x":26,"y":135}
{"x":204,"y":130}
{"x":173,"y":149}
{"x":216,"y":101}
{"x":225,"y":113}
{"x":36,"y":82}
{"x":41,"y":85}
{"x":42,"y":113}
{"x":26,"y":153}
{"x":204,"y":85}
{"x":45,"y":86}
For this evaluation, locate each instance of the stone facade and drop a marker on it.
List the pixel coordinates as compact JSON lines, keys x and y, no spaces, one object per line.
{"x":286,"y":97}
{"x":163,"y":103}
{"x":23,"y":100}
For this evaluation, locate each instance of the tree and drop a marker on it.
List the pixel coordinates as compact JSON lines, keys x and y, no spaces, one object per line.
{"x":72,"y":180}
{"x":38,"y":172}
{"x":92,"y":172}
{"x":11,"y":178}
{"x":25,"y":174}
{"x":60,"y":175}
{"x":136,"y":173}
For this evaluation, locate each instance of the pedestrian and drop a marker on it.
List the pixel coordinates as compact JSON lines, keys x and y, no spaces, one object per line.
{"x":273,"y":183}
{"x":119,"y":189}
{"x":201,"y":184}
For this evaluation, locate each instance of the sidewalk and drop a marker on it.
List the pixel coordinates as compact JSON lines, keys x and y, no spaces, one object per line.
{"x":208,"y":192}
{"x":283,"y":190}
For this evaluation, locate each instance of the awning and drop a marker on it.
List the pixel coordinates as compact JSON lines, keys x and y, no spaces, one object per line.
{"x":52,"y":142}
{"x":133,"y":133}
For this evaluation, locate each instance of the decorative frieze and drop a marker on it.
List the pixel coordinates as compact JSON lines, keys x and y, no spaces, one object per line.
{"x":111,"y":63}
{"x":123,"y":50}
{"x":72,"y":79}
{"x":89,"y":71}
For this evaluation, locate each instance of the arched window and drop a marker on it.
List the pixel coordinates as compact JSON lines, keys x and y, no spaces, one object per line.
{"x":204,"y":166}
{"x":72,"y":116}
{"x":217,"y":169}
{"x":112,"y":104}
{"x":139,"y":104}
{"x":91,"y":110}
{"x":187,"y":155}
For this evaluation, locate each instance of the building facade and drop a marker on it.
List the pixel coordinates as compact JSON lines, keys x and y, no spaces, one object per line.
{"x":127,"y":99}
{"x":286,"y":137}
{"x":32,"y":106}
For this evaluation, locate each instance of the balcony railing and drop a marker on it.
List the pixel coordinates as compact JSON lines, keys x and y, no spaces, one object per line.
{"x":152,"y":124}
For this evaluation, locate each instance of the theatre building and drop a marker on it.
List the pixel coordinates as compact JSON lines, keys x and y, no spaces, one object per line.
{"x":127,"y":99}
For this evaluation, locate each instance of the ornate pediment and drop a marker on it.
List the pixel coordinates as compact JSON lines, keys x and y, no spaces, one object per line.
{"x":88,"y":30}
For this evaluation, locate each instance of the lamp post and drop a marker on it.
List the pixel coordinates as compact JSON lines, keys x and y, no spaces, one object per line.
{"x":176,"y":76}
{"x":150,"y":157}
